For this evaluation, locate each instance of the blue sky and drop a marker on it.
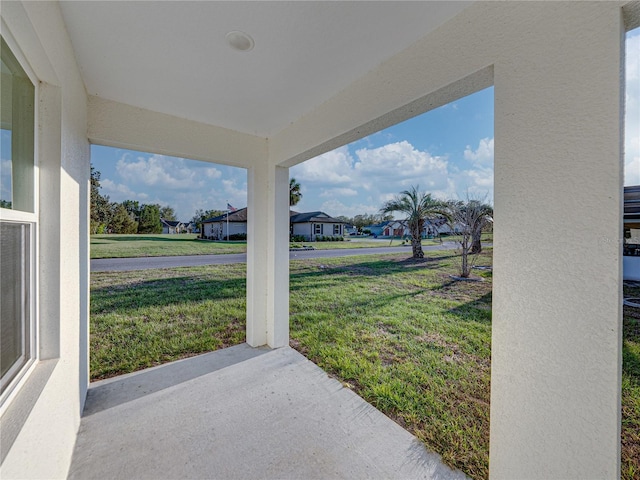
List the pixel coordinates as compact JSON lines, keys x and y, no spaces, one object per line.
{"x":448,"y":152}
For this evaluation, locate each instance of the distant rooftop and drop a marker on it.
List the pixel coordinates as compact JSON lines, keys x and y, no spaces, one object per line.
{"x":239,"y":215}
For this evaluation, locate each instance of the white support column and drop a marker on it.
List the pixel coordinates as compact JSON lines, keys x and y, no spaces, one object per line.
{"x":556,"y":339}
{"x":268,"y":256}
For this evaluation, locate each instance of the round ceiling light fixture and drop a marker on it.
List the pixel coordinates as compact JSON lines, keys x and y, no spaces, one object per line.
{"x":239,"y":41}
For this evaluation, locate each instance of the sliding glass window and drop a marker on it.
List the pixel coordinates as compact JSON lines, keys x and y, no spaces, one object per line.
{"x":18,"y":219}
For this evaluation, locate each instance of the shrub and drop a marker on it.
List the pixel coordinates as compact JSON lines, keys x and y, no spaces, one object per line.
{"x":238,"y":236}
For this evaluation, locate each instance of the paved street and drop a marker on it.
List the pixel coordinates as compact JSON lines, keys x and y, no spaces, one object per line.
{"x":145,"y":263}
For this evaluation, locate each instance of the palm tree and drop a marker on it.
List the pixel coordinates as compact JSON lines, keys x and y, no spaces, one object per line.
{"x":417,"y":206}
{"x":484,"y":217}
{"x":294,"y":192}
{"x":469,"y":217}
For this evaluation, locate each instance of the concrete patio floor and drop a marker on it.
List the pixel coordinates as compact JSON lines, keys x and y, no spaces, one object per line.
{"x":242,"y":413}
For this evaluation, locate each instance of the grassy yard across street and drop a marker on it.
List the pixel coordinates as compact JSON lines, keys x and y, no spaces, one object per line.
{"x":400,"y":332}
{"x":158,"y":245}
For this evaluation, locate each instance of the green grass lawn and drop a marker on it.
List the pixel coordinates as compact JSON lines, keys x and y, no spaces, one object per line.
{"x":631,"y":389}
{"x":399,"y":332}
{"x":157,"y":245}
{"x":362,"y":243}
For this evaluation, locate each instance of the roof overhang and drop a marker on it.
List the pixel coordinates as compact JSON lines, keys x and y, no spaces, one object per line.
{"x":173,"y":57}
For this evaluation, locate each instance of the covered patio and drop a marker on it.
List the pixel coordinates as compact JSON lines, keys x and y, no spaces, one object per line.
{"x":239,"y":413}
{"x":166,"y":78}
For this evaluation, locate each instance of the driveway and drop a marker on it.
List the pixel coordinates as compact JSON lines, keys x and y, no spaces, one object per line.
{"x":146,"y":263}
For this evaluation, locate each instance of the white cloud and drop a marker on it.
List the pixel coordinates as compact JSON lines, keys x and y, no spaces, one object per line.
{"x":6,"y":167}
{"x":376,"y":175}
{"x":336,"y":208}
{"x":212,"y":172}
{"x":632,"y":171}
{"x":480,"y":178}
{"x":483,"y":154}
{"x":5,"y":179}
{"x":329,"y":168}
{"x":235,"y":192}
{"x":399,"y":164}
{"x":338,"y":192}
{"x":165,"y":172}
{"x":119,"y":192}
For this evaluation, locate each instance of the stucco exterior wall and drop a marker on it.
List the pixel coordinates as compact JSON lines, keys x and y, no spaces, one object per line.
{"x":307,"y":229}
{"x":557,"y":309}
{"x":302,"y":229}
{"x":56,"y":390}
{"x":556,"y":350}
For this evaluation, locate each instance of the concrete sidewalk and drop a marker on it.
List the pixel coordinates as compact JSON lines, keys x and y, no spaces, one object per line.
{"x":242,"y":413}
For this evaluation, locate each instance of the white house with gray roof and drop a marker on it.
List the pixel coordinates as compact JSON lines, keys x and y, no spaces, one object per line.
{"x":231,"y":223}
{"x":316,"y":225}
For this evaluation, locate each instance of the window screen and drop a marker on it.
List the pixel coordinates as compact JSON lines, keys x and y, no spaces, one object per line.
{"x":15,"y":338}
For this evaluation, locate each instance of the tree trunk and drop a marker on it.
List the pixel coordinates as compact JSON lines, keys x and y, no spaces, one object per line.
{"x":476,"y":246}
{"x":416,"y":242}
{"x":465,"y":265}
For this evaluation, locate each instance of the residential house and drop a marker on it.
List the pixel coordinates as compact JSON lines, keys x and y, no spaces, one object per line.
{"x":557,"y":71}
{"x":314,"y":225}
{"x":171,"y":226}
{"x":432,"y":227}
{"x":215,"y":228}
{"x":191,"y":227}
{"x":395,"y":228}
{"x":440,"y":226}
{"x":350,"y":229}
{"x":305,"y":224}
{"x":377,"y":229}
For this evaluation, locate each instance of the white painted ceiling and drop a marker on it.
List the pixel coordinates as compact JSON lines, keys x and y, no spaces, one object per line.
{"x":172,"y":57}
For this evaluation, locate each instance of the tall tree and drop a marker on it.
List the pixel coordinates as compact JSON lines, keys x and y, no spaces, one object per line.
{"x":100,"y":208}
{"x":295,"y":195}
{"x":133,"y":207}
{"x":367,"y":219}
{"x":122,"y":221}
{"x":150,"y":219}
{"x":202,"y":215}
{"x":416,"y":206}
{"x":168,"y":213}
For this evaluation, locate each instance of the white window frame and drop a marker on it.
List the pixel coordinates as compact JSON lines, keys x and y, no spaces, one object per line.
{"x":17,"y":216}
